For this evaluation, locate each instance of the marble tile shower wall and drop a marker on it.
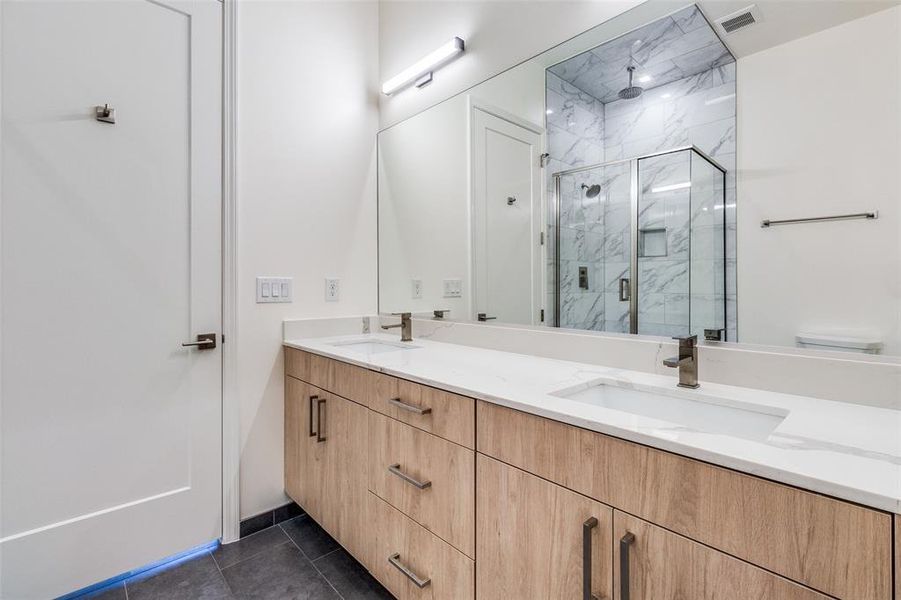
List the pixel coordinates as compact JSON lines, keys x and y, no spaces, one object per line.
{"x":698,"y":110}
{"x":575,"y":124}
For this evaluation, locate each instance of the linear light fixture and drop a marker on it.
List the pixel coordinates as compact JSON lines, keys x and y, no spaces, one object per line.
{"x":420,"y":72}
{"x":670,"y":188}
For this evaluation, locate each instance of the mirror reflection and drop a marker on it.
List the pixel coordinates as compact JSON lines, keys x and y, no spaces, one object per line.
{"x":609,"y":185}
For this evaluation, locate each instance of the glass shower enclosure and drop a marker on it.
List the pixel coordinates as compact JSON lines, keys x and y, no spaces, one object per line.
{"x":640,"y":245}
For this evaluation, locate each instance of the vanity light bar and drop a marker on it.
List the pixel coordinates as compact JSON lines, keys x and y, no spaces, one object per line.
{"x":422,"y":69}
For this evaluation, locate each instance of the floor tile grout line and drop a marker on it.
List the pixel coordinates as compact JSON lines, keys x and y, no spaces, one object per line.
{"x":324,"y":578}
{"x":329,"y":553}
{"x":222,"y":575}
{"x":282,"y":543}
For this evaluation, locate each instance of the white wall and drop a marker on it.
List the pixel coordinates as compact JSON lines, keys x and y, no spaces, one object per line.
{"x":498,"y":35}
{"x":820,"y":134}
{"x":307,"y":119}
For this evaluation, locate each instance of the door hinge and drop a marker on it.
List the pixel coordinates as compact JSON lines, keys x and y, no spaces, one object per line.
{"x":542,"y":315}
{"x":542,"y":238}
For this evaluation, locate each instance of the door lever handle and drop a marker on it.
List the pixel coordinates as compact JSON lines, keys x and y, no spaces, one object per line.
{"x":205,"y":341}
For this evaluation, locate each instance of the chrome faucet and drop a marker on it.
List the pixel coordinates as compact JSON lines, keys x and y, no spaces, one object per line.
{"x":686,"y":362}
{"x":406,"y":326}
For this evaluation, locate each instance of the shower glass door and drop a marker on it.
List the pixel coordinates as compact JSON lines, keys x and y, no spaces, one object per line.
{"x":664,"y":244}
{"x":593,"y":247}
{"x":640,"y":246}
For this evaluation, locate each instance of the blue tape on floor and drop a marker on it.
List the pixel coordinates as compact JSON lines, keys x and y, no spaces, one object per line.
{"x":169,"y":561}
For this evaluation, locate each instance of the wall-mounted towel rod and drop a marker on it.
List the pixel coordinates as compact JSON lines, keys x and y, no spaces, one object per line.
{"x":865,"y":215}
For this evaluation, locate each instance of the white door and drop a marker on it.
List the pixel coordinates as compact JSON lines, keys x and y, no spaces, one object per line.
{"x":110,"y":259}
{"x":506,"y":208}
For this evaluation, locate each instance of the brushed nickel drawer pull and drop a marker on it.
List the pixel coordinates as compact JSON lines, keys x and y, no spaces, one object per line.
{"x":624,"y":543}
{"x":395,"y":468}
{"x":394,"y":559}
{"x":312,"y":399}
{"x":320,"y":406}
{"x":409,"y":407}
{"x":587,"y":527}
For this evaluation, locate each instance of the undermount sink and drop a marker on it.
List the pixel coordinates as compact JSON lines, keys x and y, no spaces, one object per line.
{"x":705,"y":414}
{"x":374,"y":346}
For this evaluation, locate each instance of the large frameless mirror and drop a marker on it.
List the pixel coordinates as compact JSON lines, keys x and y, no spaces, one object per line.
{"x":659,"y":176}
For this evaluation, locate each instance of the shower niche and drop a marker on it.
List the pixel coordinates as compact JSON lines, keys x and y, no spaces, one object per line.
{"x":651,"y":231}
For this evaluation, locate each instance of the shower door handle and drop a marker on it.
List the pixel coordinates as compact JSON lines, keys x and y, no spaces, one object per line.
{"x":624,"y":293}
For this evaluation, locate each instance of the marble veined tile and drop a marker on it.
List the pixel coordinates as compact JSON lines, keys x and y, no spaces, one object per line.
{"x":572,"y":149}
{"x":613,"y":272}
{"x":716,"y":138}
{"x":570,"y":116}
{"x":651,"y":307}
{"x":646,"y":122}
{"x":689,"y":18}
{"x":703,"y":59}
{"x":669,"y":277}
{"x":574,"y":94}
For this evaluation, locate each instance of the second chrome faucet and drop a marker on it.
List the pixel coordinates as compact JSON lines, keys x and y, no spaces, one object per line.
{"x":686,"y":362}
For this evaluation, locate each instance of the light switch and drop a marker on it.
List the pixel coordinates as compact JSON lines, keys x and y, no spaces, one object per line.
{"x":453,"y":288}
{"x":274,"y":289}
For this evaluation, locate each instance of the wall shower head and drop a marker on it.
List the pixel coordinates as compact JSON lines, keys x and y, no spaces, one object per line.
{"x":591,"y":191}
{"x":633,"y":91}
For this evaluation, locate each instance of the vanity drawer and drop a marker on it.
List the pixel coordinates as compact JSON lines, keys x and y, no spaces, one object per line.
{"x":429,"y":479}
{"x":836,"y":547}
{"x":444,"y":414}
{"x":297,"y":364}
{"x":340,"y":378}
{"x":413,"y":563}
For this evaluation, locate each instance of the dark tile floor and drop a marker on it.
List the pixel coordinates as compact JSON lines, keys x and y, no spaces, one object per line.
{"x":295,"y":560}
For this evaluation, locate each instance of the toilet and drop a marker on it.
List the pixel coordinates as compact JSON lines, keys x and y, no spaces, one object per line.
{"x":839,"y":343}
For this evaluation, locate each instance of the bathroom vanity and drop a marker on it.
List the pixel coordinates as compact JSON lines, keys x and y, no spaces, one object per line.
{"x":454,"y":472}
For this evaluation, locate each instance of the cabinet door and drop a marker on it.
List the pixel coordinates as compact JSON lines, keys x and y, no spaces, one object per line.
{"x":343,"y":429}
{"x":655,"y":563}
{"x":534,"y":539}
{"x":304,"y":456}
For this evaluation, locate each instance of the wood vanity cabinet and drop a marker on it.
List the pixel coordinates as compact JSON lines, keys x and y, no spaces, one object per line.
{"x":325,"y":460}
{"x":537,"y":540}
{"x":835,"y":547}
{"x":445,"y":497}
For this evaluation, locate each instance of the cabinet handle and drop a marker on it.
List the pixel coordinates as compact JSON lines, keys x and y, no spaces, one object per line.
{"x":587,"y":527}
{"x":395,"y":468}
{"x":394,"y":559}
{"x":409,"y":407}
{"x":312,"y":398}
{"x":320,"y":406}
{"x":624,"y":543}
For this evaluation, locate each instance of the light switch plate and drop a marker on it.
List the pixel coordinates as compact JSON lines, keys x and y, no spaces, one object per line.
{"x":453,"y":288}
{"x":332,"y":289}
{"x":416,"y":288}
{"x":275,"y":289}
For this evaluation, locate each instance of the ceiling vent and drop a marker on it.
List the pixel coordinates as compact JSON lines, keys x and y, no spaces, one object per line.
{"x":740,"y":19}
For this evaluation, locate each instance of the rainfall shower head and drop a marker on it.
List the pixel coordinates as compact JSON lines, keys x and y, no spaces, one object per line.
{"x":633,"y":91}
{"x":591,"y":191}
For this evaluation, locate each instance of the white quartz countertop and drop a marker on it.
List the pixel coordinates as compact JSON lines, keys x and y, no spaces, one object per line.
{"x":840,"y":449}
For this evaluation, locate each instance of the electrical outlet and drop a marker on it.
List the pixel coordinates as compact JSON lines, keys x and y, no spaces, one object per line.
{"x":417,"y":288}
{"x":453,"y":288}
{"x":332,"y":289}
{"x":274,"y":289}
